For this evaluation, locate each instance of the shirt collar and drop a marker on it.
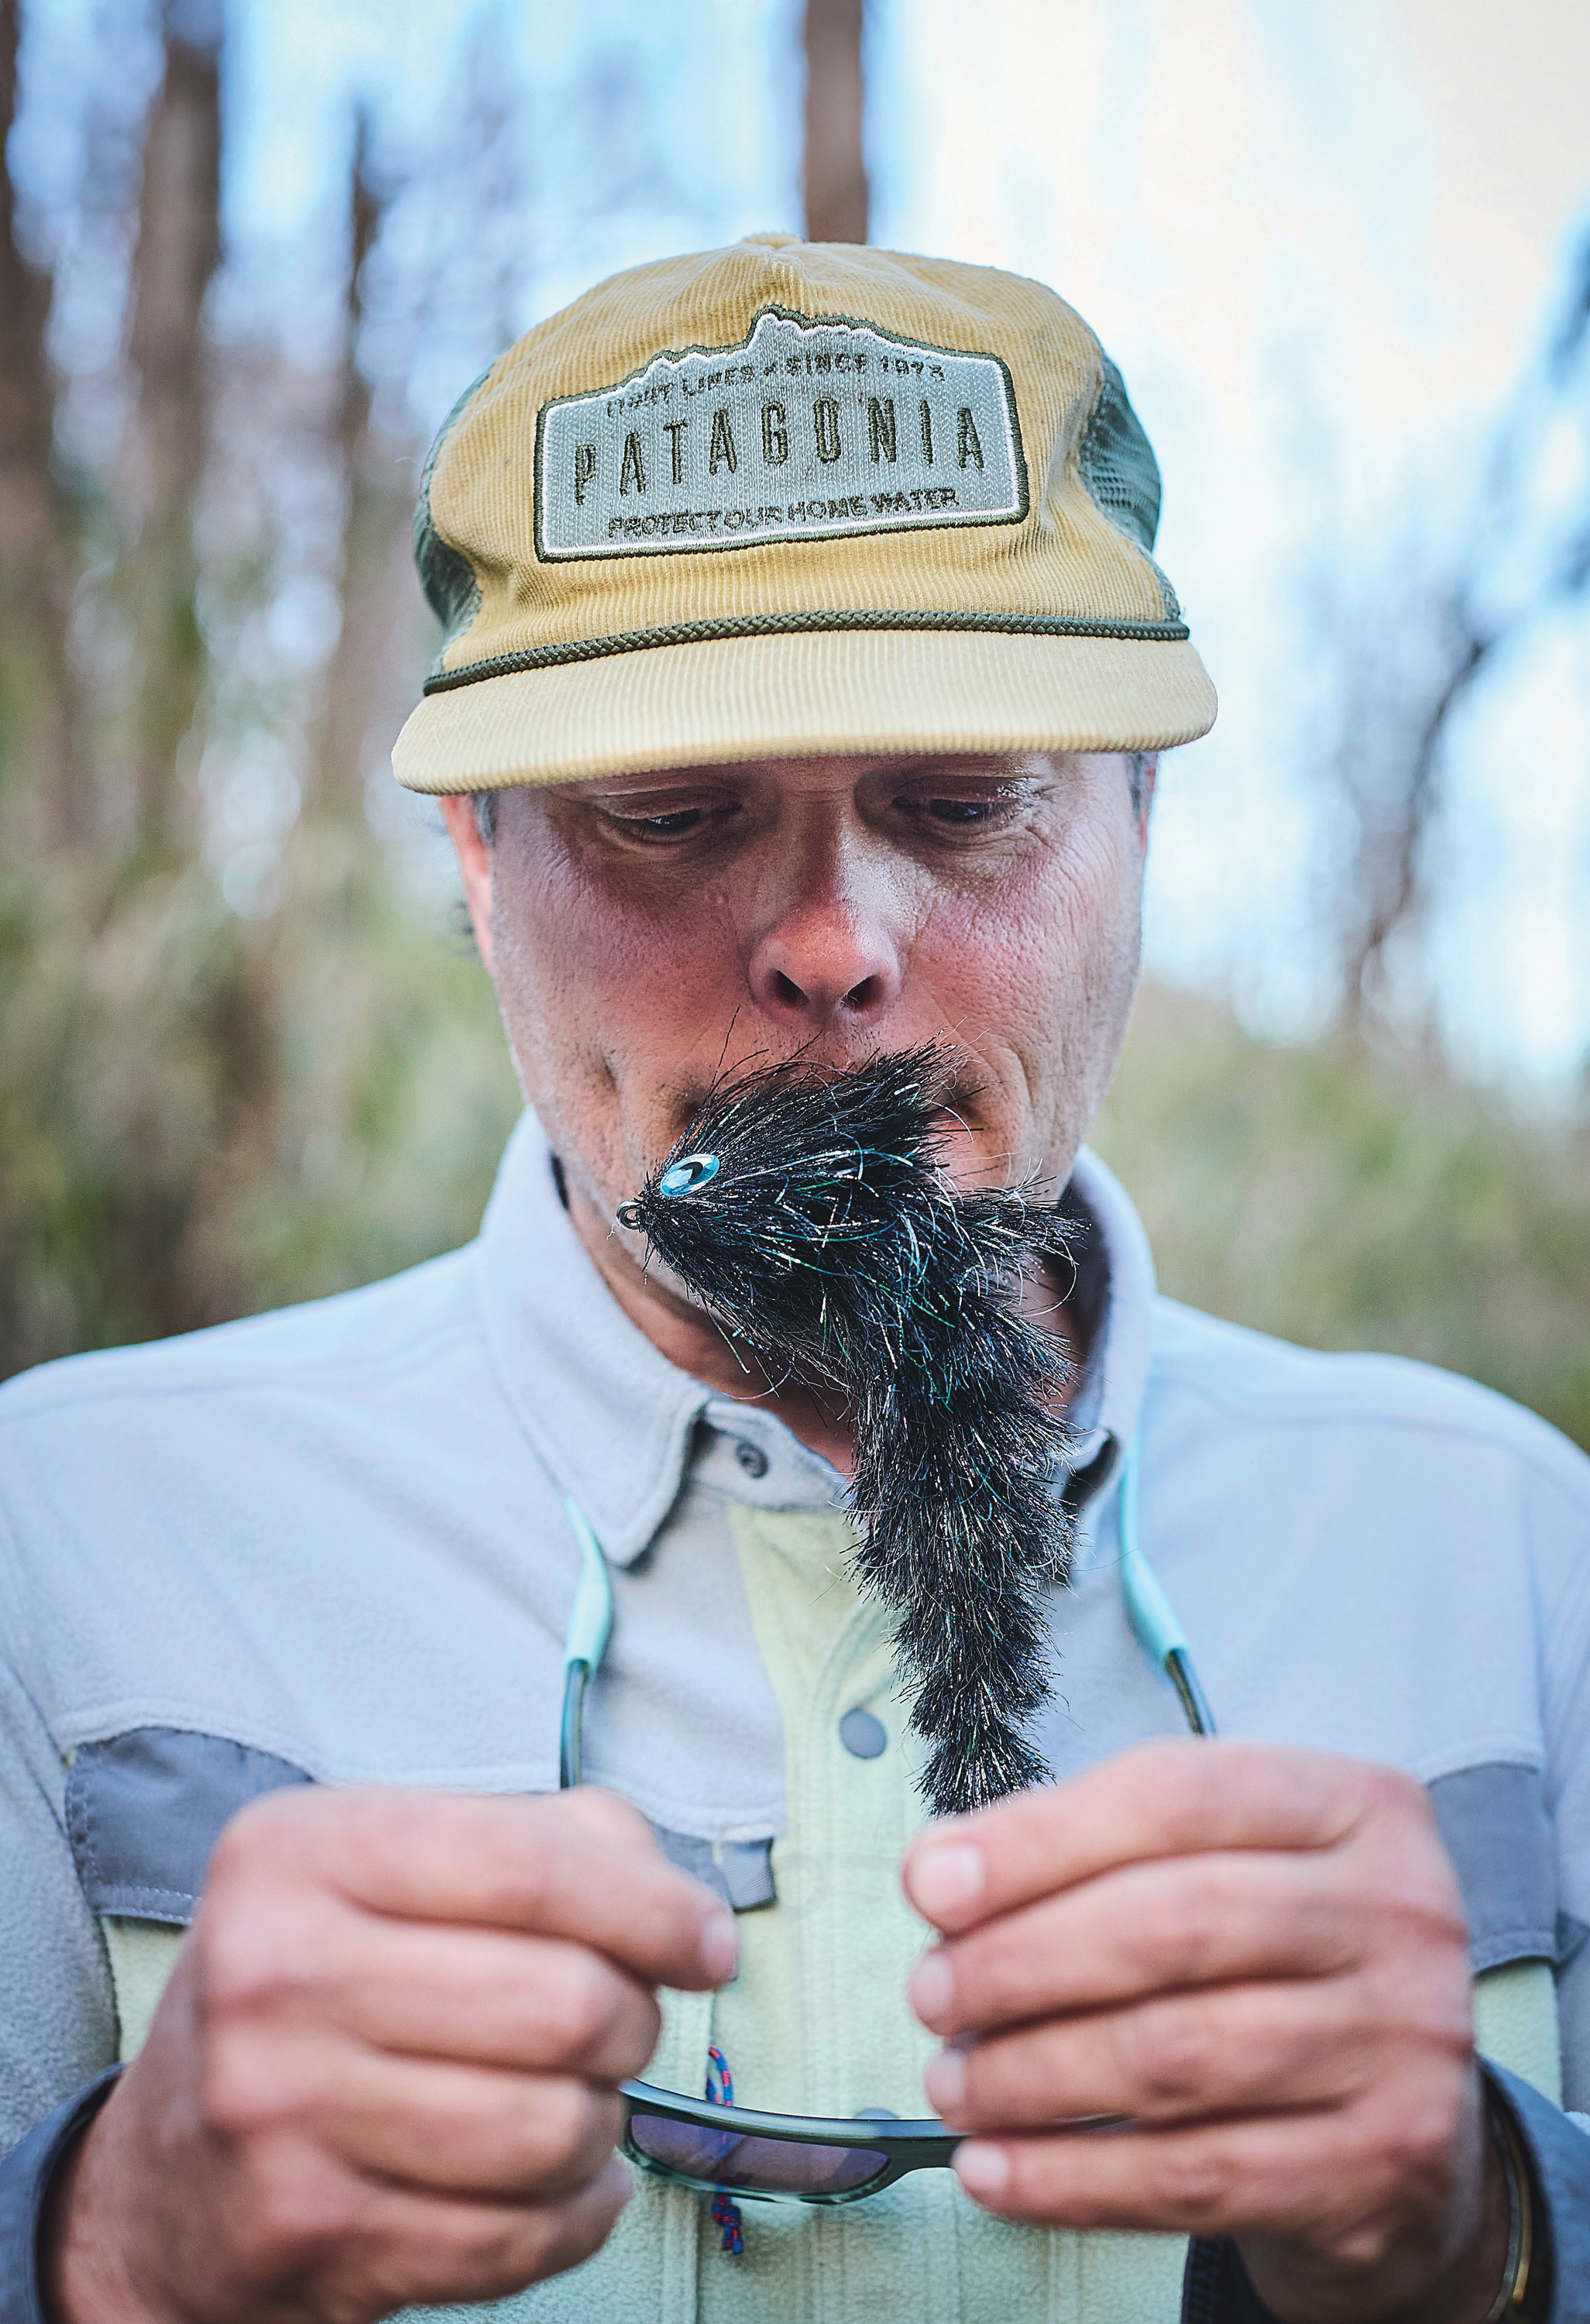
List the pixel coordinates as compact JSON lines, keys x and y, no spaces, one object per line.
{"x":607,"y":1413}
{"x":616,"y":1425}
{"x":1115,"y":1284}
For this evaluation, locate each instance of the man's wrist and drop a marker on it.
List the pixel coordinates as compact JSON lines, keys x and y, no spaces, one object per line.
{"x":1472,"y":2283}
{"x":29,"y":2176}
{"x":1478,"y":2284}
{"x":81,"y":2276}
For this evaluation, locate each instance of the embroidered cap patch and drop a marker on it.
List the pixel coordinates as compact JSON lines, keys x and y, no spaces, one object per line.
{"x":805,"y":430}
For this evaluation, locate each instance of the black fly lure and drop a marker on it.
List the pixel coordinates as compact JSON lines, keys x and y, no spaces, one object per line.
{"x":813,"y":1221}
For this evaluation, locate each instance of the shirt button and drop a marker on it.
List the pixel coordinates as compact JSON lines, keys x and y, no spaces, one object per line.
{"x":863,"y":1736}
{"x":752,"y":1458}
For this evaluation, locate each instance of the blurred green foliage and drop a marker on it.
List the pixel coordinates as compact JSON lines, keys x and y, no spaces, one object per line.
{"x":201,"y":1116}
{"x":1346,"y":1197}
{"x":240,"y":1062}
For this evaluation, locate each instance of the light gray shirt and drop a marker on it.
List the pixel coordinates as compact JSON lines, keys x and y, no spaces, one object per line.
{"x":331,"y":1542}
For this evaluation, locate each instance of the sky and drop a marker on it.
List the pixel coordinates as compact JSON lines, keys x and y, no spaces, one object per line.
{"x":1323,"y":244}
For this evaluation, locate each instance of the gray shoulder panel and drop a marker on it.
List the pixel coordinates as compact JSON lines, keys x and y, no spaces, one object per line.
{"x":740,"y":1870}
{"x":1493,"y":1821}
{"x":144,"y":1810}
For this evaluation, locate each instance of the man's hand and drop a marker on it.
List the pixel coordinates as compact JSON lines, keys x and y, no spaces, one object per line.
{"x":1259,"y":1956}
{"x":384,"y":2069}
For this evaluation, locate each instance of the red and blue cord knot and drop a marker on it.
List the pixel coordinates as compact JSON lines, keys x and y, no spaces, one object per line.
{"x":725,"y":2210}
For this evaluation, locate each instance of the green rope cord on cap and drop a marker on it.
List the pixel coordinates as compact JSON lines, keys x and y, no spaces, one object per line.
{"x":765,"y":626}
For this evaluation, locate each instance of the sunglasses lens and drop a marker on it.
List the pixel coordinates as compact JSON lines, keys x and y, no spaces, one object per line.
{"x":752,"y":2166}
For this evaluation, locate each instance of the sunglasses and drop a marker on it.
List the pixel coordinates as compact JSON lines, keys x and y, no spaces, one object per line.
{"x":718,"y":2147}
{"x":774,"y":2158}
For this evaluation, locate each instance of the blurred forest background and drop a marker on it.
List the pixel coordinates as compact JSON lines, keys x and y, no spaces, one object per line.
{"x":246,"y":1054}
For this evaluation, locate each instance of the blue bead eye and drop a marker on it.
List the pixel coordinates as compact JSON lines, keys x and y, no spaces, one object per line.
{"x":684,"y":1177}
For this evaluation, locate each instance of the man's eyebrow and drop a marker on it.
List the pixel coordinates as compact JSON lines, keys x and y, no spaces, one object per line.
{"x":968,"y":770}
{"x":666,"y":778}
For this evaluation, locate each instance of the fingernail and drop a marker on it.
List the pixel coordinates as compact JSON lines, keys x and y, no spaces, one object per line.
{"x":945,"y":2081}
{"x":945,"y":1879}
{"x":983,"y":2170}
{"x":720,"y":1946}
{"x":931,"y":1987}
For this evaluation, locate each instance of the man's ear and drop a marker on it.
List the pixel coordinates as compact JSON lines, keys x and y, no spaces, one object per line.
{"x":474,"y":868}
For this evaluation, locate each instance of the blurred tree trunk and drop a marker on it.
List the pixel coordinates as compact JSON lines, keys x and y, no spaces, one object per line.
{"x":1390,"y":760}
{"x":179,"y":246}
{"x":1394,"y":816}
{"x":376,"y":501}
{"x":41,"y":780}
{"x":836,"y":167}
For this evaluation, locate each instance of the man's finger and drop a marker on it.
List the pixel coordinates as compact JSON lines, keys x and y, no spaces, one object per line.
{"x":1181,"y":2058}
{"x":430,"y":2124}
{"x":538,"y":2003}
{"x":1147,"y":1928}
{"x":1277,"y":2174}
{"x":467,"y":2130}
{"x":443,"y":2250}
{"x":1157,"y":1799}
{"x":580,"y":1865}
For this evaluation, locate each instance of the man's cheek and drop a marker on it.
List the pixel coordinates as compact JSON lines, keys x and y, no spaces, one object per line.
{"x":607,"y":1026}
{"x":1017,"y":977}
{"x":623,"y":982}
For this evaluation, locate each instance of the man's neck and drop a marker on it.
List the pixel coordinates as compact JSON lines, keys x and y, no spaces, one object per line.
{"x":688,"y":1337}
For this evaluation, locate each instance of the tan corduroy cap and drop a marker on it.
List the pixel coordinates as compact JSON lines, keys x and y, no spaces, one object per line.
{"x":793,"y":498}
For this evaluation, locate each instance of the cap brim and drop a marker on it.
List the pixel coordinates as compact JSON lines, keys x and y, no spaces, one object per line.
{"x":806,"y":694}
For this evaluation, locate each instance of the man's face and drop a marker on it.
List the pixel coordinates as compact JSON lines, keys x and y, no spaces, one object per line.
{"x":647,"y":933}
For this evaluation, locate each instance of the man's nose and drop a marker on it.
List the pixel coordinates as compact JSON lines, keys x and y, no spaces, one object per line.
{"x":827,"y":961}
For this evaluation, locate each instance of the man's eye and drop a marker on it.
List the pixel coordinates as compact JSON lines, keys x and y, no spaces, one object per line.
{"x":674,"y":823}
{"x":683,"y":818}
{"x":962,"y":810}
{"x":961,"y":813}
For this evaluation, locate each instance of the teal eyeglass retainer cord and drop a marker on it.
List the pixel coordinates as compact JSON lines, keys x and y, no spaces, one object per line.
{"x":589,"y":1626}
{"x":1150,"y":1613}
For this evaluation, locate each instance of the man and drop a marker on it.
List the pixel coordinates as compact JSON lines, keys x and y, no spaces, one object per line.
{"x":805,"y":667}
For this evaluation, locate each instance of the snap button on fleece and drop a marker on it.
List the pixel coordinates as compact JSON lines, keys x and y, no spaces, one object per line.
{"x":752,"y":1458}
{"x":862,"y":1735}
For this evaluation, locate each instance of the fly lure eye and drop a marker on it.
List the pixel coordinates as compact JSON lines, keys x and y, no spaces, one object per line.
{"x":686,"y":1176}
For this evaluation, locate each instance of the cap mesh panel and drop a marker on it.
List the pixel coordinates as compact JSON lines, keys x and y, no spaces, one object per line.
{"x":1117,"y":463}
{"x":445,"y":574}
